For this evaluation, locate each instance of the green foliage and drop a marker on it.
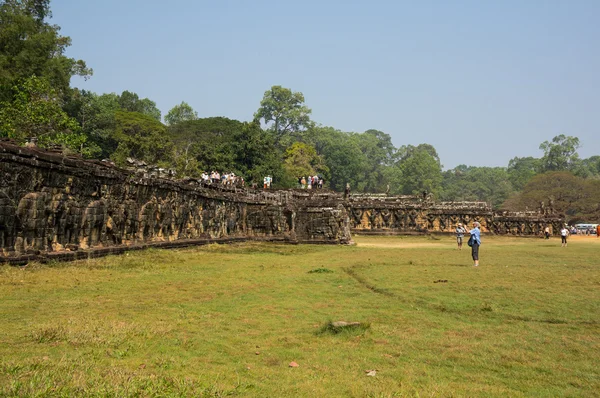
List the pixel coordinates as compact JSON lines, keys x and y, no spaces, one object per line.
{"x":417,"y":170}
{"x":378,"y":152}
{"x":30,"y":46}
{"x":287,"y":113}
{"x":301,"y":160}
{"x":96,"y":116}
{"x":486,"y":184}
{"x":209,"y":141}
{"x":35,"y":111}
{"x":560,"y":154}
{"x":141,"y":137}
{"x":574,"y":196}
{"x":255,"y":156}
{"x":180,"y":113}
{"x":521,"y":170}
{"x":131,"y":102}
{"x":343,"y":158}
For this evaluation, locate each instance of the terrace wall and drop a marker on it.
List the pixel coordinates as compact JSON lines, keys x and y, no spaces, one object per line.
{"x":64,"y":207}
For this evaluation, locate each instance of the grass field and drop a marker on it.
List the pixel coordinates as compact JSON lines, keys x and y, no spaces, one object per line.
{"x":229,"y":320}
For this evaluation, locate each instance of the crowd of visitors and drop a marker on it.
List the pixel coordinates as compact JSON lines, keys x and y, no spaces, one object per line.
{"x":226,"y":178}
{"x":215,"y":177}
{"x":310,"y":182}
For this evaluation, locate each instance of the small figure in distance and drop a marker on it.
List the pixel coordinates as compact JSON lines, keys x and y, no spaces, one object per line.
{"x":476,"y":239}
{"x":564,"y":232}
{"x":547,"y":232}
{"x":460,"y":233}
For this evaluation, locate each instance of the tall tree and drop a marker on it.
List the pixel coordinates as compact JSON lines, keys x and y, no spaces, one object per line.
{"x":521,"y":170}
{"x":302,"y":160}
{"x":468,"y":183}
{"x":286,"y":111}
{"x":209,"y":140}
{"x":343,"y":157}
{"x":417,"y":170}
{"x":180,"y":113}
{"x":560,"y":154}
{"x":30,"y":46}
{"x":378,"y":152}
{"x":36,"y":111}
{"x":576,"y":197}
{"x":131,"y":102}
{"x":96,"y":116}
{"x":254,"y":155}
{"x":142,"y":137}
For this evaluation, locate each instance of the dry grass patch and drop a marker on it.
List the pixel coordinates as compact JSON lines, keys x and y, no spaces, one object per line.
{"x":228,"y":320}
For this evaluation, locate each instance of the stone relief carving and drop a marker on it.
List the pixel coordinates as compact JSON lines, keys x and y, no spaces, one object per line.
{"x":49,"y":203}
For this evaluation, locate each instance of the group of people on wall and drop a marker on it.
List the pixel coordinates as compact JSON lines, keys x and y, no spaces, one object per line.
{"x":310,"y":182}
{"x":226,"y":178}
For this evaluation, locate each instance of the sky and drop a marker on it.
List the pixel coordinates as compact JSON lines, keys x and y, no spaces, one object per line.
{"x":481,"y":81}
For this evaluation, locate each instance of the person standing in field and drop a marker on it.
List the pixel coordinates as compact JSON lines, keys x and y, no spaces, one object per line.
{"x":564,"y":232}
{"x":460,"y":233}
{"x":476,"y":240}
{"x":547,"y":232}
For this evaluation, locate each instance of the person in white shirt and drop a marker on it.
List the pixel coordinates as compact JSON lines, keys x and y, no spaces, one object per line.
{"x":564,"y":232}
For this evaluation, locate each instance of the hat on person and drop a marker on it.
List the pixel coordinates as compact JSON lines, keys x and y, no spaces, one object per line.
{"x":460,"y":224}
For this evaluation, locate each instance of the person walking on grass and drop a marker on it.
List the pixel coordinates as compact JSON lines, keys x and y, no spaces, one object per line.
{"x":460,"y":233}
{"x":475,"y":239}
{"x":564,"y":232}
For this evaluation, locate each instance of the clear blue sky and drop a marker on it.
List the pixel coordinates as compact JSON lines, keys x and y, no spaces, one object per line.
{"x":482,"y":81}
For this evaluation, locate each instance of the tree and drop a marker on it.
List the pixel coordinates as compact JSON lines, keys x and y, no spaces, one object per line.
{"x":560,"y":154}
{"x":30,"y":46}
{"x":378,"y":152}
{"x":591,"y":167}
{"x":286,"y":110}
{"x":96,"y":116}
{"x":344,"y":160}
{"x":131,"y":102}
{"x":417,"y":170}
{"x":141,"y":137}
{"x":521,"y":170}
{"x":209,"y":140}
{"x":302,"y":160}
{"x":573,"y":196}
{"x":468,"y":183}
{"x":35,"y":111}
{"x":254,"y":156}
{"x":180,"y":113}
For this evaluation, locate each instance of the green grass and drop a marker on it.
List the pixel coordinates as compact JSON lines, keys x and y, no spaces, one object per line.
{"x":228,"y":320}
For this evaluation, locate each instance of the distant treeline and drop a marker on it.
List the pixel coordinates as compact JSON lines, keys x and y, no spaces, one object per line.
{"x":37,"y":100}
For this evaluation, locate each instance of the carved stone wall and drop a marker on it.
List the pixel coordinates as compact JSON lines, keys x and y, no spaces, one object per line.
{"x":382,"y":214}
{"x":59,"y":206}
{"x":64,"y":207}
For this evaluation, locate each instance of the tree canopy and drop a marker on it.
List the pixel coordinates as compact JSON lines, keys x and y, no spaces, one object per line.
{"x":285,"y":111}
{"x":30,"y":46}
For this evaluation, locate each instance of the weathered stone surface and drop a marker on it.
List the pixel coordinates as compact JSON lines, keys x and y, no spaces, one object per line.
{"x":52,"y":205}
{"x":382,"y":214}
{"x":64,"y":207}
